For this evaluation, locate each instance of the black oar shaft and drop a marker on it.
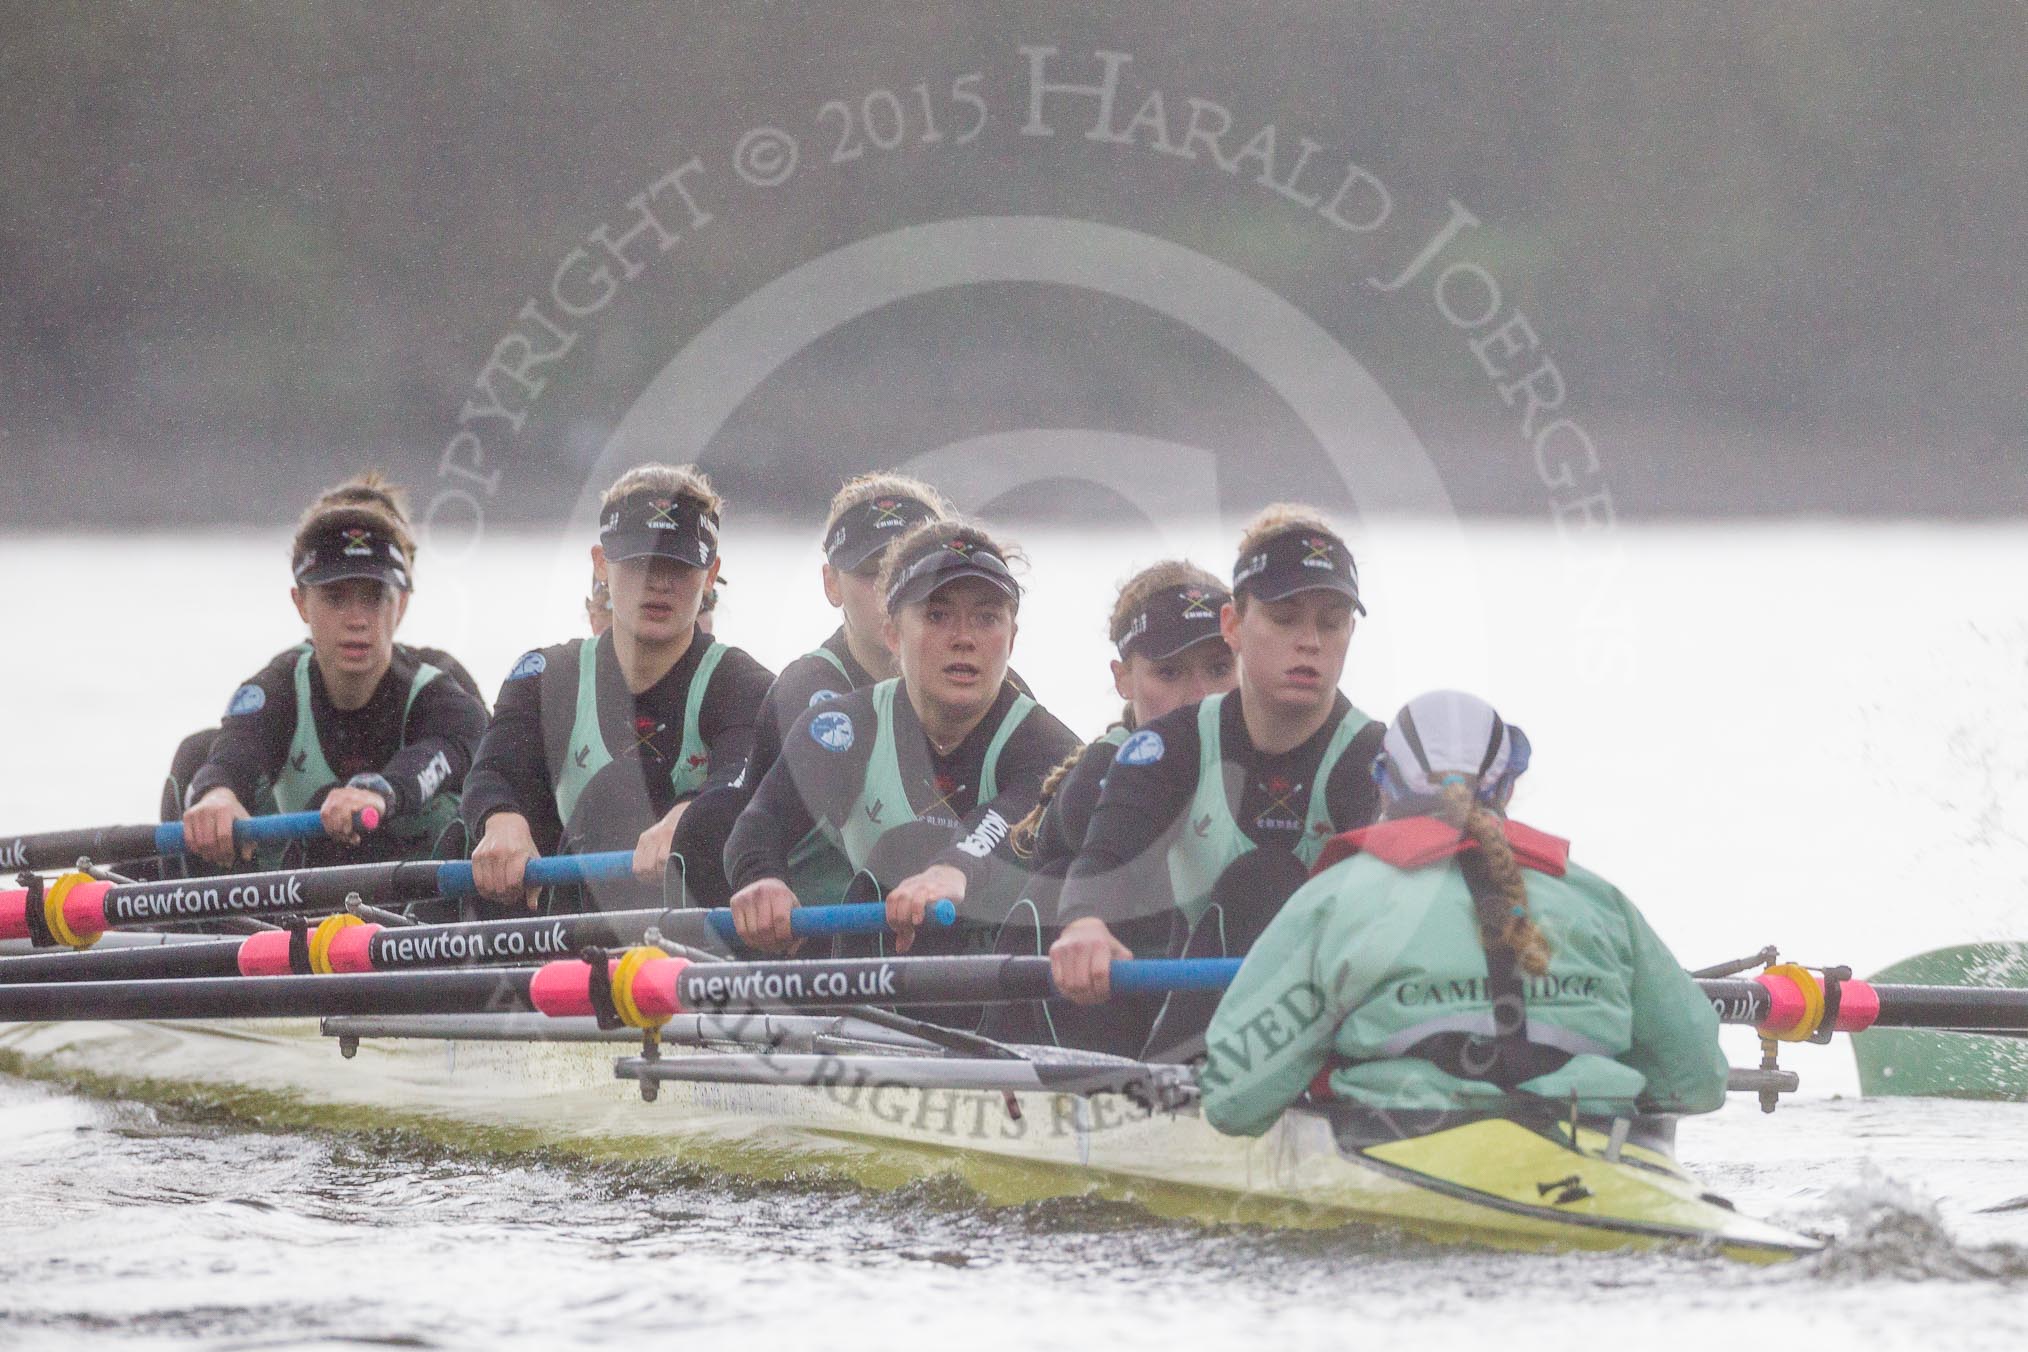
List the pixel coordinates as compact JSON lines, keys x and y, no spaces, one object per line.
{"x":1997,"y":1009}
{"x":515,"y":941}
{"x":1952,"y":1007}
{"x":725,"y":987}
{"x":288,"y":891}
{"x":47,"y":850}
{"x":454,"y":992}
{"x":220,"y":958}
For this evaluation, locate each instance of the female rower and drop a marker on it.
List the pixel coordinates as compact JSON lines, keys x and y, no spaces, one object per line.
{"x":1210,"y":815}
{"x":1165,"y":627}
{"x":867,"y":515}
{"x":601,"y":743}
{"x":916,"y":779}
{"x":1448,"y":958}
{"x":349,"y":720}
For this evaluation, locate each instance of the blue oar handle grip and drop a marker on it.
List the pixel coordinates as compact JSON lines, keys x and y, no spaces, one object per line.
{"x":1154,"y":975}
{"x":269,"y":830}
{"x":860,"y":917}
{"x":454,"y":879}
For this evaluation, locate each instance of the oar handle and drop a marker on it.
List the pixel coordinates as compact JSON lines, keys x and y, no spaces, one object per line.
{"x":859,"y":917}
{"x":454,"y":879}
{"x":276,"y":828}
{"x":52,"y":850}
{"x":1157,"y":975}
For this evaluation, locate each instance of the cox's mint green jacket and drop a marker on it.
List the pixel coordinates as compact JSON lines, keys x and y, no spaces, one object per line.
{"x":1371,"y":956}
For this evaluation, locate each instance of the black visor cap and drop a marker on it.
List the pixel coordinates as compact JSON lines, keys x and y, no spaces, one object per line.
{"x":947,"y":564}
{"x":862,"y":532}
{"x":1297,"y":561}
{"x":648,"y":524}
{"x":341,"y":552}
{"x":1173,"y":619}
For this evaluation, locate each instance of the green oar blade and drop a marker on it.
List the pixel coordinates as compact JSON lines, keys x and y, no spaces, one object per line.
{"x":1907,"y":1063}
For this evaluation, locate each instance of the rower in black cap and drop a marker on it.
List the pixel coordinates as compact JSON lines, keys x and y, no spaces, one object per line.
{"x":602,"y":744}
{"x":917,"y":779}
{"x":867,"y":515}
{"x":348,"y":720}
{"x":1210,"y":816}
{"x":1172,"y":653}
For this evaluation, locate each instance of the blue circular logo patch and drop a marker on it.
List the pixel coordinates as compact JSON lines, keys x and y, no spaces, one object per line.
{"x":1143,"y":748}
{"x":819,"y":696}
{"x":832,"y":730}
{"x":531,"y":664}
{"x":248,"y":699}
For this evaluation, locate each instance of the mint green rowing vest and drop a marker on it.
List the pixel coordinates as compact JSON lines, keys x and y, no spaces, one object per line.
{"x":591,"y":755}
{"x":1211,"y":838}
{"x":306,"y":769}
{"x":832,"y":658}
{"x":882,"y":803}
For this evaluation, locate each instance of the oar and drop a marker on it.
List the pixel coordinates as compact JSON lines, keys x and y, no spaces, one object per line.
{"x":346,"y":945}
{"x":109,"y":844}
{"x":659,"y":987}
{"x":480,"y":991}
{"x":90,"y":908}
{"x":1772,"y":1002}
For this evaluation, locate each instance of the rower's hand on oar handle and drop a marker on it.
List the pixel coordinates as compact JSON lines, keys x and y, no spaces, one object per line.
{"x":911,"y":899}
{"x":501,"y":860}
{"x":346,"y":809}
{"x":651,"y":851}
{"x":760,"y":913}
{"x":1081,"y":961}
{"x":207,"y":828}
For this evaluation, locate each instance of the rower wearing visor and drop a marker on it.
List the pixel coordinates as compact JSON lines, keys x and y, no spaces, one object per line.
{"x":347,"y":722}
{"x":1451,"y":959}
{"x":917,"y":779}
{"x":1172,"y":653}
{"x":1211,"y":815}
{"x":603,"y":743}
{"x":867,"y":515}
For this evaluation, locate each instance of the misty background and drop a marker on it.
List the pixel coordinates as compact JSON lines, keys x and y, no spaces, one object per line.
{"x":1774,"y":251}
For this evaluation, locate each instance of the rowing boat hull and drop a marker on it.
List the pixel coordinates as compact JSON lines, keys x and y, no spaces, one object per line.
{"x":1489,"y":1181}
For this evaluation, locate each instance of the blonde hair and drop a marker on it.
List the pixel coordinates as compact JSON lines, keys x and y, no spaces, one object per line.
{"x":1022,"y":837}
{"x":368,"y":500}
{"x":862,"y":488}
{"x":1499,"y":892}
{"x":678,"y":481}
{"x":927,"y":537}
{"x":1279,"y":518}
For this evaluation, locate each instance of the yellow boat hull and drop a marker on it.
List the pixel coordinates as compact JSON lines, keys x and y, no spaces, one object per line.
{"x":1490,"y":1181}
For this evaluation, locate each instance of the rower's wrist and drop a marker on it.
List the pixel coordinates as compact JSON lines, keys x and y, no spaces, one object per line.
{"x":376,"y":783}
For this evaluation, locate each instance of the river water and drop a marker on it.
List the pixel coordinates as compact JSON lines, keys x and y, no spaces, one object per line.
{"x":1799,"y":734}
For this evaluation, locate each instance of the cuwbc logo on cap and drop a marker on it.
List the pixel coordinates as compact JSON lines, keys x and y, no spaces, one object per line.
{"x":358,"y":541}
{"x":1193,"y":604}
{"x":1320,"y":553}
{"x":890,"y":514}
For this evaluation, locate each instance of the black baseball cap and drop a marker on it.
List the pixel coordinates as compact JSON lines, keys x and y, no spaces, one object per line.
{"x":947,"y":563}
{"x":1297,"y":560}
{"x":862,"y":531}
{"x":1173,"y":619}
{"x":344,"y":550}
{"x":649,"y":523}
